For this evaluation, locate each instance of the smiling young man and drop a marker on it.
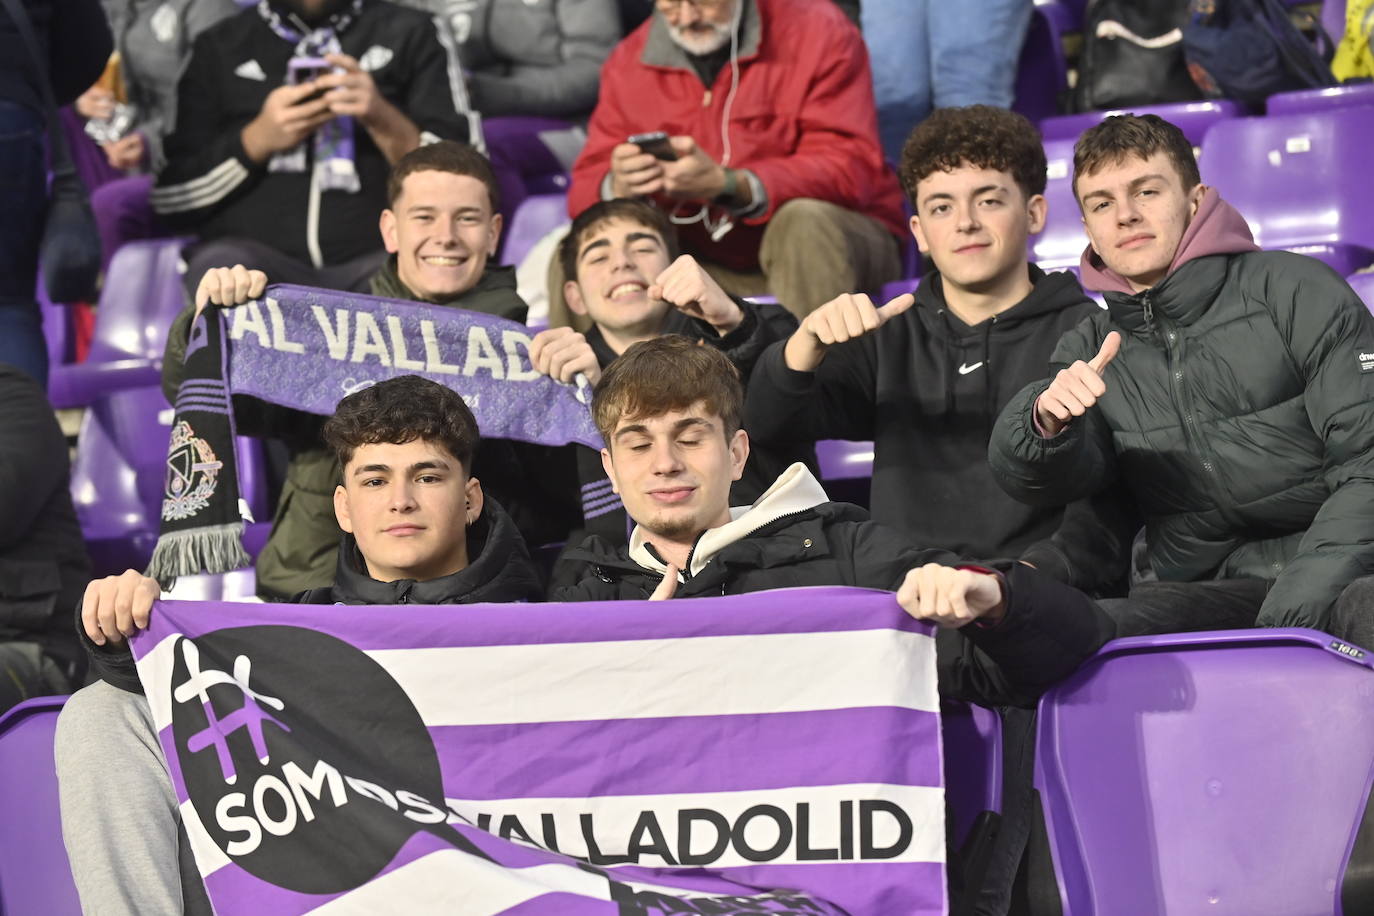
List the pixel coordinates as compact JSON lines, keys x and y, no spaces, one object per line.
{"x":1227,"y":388}
{"x":419,"y":531}
{"x":441,"y":230}
{"x":624,"y":273}
{"x":925,"y":379}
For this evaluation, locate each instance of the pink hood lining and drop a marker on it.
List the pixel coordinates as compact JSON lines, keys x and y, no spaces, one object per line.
{"x":1218,"y":228}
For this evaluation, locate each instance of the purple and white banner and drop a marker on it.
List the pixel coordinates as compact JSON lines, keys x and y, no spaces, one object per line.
{"x":768,"y":753}
{"x":306,"y":348}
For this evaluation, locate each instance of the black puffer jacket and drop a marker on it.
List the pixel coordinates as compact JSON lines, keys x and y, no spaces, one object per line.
{"x":500,"y":570}
{"x":1240,"y":414}
{"x":1048,"y":632}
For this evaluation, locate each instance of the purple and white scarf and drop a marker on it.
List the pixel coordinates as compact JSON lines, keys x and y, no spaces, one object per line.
{"x":333,"y":141}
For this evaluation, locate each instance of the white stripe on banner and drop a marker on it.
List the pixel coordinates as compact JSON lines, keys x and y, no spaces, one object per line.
{"x":780,"y":821}
{"x":658,"y":678}
{"x":156,"y":668}
{"x":455,"y":882}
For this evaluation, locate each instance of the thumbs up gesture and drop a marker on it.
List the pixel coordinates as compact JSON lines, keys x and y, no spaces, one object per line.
{"x":1075,"y":389}
{"x":846,"y":317}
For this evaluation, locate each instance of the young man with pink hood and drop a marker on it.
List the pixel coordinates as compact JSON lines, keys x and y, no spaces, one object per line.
{"x":1231,"y":390}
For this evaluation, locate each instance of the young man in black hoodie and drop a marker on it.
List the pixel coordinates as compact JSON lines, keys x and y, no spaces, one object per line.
{"x":925,"y":383}
{"x":418,"y":531}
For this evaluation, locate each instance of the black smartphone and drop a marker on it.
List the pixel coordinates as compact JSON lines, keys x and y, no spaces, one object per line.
{"x":304,"y":69}
{"x":655,"y":143}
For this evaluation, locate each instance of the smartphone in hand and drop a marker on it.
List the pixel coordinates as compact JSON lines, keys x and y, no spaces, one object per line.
{"x":655,"y":143}
{"x":305,"y":69}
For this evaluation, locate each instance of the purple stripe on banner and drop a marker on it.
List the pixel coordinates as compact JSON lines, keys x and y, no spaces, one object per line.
{"x":193,"y":384}
{"x":597,"y":485}
{"x":829,"y":747}
{"x":794,"y":610}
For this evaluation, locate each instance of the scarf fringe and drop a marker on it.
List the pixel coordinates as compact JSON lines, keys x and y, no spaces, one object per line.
{"x":212,"y":549}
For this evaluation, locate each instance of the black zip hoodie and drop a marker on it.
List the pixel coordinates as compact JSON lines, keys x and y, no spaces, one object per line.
{"x":499,"y":570}
{"x":927,"y":388}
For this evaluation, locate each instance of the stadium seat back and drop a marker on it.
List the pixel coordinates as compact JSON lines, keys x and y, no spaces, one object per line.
{"x":1042,"y":70}
{"x":1060,"y":244}
{"x":973,"y":764}
{"x":539,"y":215}
{"x":120,"y":471}
{"x":1295,"y":179}
{"x":1312,"y":100}
{"x":1225,"y":773}
{"x":141,"y":297}
{"x":35,"y":876}
{"x":1193,"y":118}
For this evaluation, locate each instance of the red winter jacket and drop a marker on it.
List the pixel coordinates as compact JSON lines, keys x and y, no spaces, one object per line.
{"x":802,"y":120}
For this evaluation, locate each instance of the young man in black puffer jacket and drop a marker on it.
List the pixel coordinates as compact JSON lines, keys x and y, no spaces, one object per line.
{"x":669,"y":411}
{"x":417,"y":531}
{"x":1229,"y":390}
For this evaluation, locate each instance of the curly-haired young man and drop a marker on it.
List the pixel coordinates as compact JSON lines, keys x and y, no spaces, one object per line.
{"x":925,"y":376}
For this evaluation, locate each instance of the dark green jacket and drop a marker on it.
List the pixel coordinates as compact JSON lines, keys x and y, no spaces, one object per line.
{"x":303,"y":548}
{"x":1239,"y":413}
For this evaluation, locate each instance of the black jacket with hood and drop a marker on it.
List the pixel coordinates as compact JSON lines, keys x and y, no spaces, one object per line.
{"x":1239,"y":412}
{"x":927,"y":388}
{"x":793,"y":536}
{"x":499,"y":570}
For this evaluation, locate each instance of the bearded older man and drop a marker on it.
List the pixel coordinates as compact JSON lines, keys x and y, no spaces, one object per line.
{"x":772,"y":168}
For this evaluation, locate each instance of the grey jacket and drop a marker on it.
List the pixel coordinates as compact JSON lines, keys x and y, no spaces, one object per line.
{"x":154,"y":38}
{"x":531,"y":57}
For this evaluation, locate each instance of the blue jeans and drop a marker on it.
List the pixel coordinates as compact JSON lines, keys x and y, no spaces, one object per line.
{"x":927,"y":55}
{"x":24,"y":191}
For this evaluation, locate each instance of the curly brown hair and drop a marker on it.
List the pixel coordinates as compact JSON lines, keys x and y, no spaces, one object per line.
{"x":979,"y":136}
{"x":400,"y":410}
{"x":444,"y":156}
{"x":667,"y":373}
{"x":1133,"y":135}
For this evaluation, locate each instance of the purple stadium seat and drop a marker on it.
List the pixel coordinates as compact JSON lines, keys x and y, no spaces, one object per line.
{"x":1224,"y":773}
{"x":119,"y":472}
{"x":1321,"y":99}
{"x":1042,"y":71}
{"x":973,"y":764}
{"x":56,"y":329}
{"x":897,"y":287}
{"x":846,"y":469}
{"x":1363,"y":284}
{"x":1297,"y":179}
{"x":142,"y":296}
{"x":1193,"y":118}
{"x":34,"y":874}
{"x":539,"y":215}
{"x":1062,"y":241}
